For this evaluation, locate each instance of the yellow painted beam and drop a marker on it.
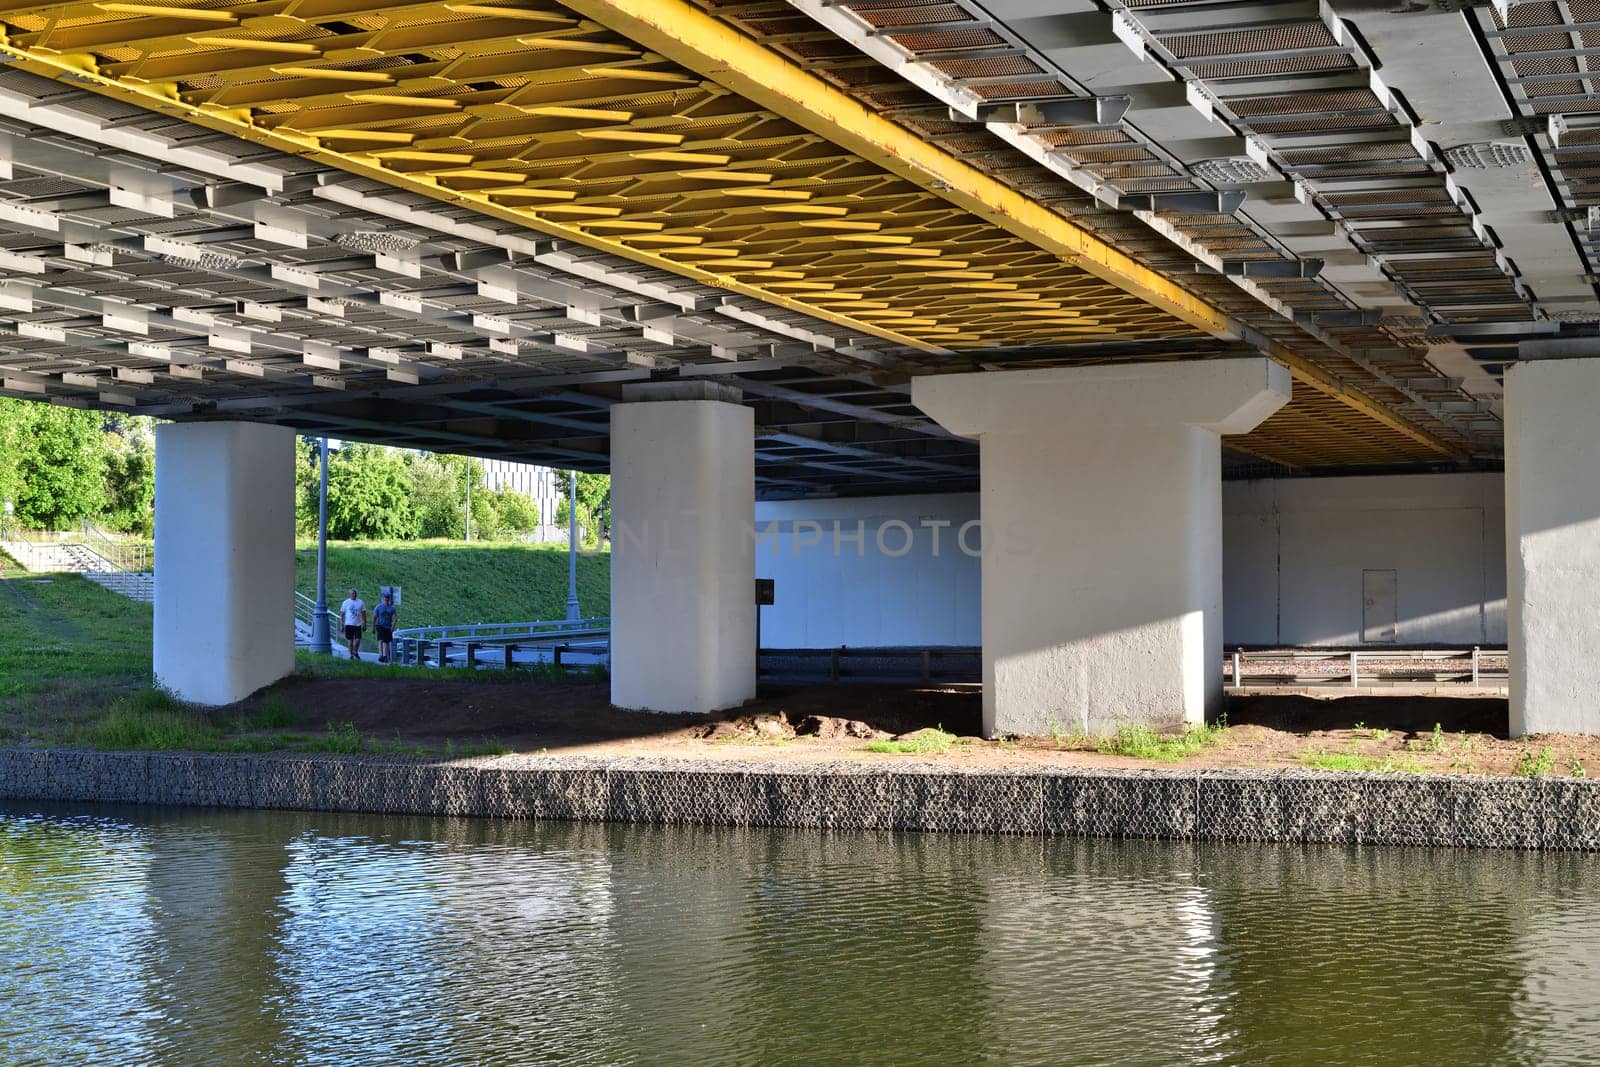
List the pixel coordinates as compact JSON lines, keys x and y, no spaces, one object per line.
{"x":694,"y":39}
{"x":462,"y":119}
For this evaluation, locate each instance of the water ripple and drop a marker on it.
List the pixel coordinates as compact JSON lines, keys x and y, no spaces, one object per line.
{"x":143,"y":936}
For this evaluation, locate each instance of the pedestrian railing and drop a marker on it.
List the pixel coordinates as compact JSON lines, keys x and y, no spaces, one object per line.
{"x":1354,"y":668}
{"x":305,"y":614}
{"x":493,"y":631}
{"x":87,"y":550}
{"x":834,"y":665}
{"x":500,"y":644}
{"x":133,"y":557}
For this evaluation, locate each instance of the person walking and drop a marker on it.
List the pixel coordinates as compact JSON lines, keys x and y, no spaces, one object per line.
{"x":354,"y":613}
{"x":383,"y":617}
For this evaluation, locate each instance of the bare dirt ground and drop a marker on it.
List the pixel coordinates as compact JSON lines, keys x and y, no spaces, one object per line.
{"x":831,"y":723}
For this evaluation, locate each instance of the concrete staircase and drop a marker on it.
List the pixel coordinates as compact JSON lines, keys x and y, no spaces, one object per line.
{"x":43,"y":557}
{"x":74,"y":558}
{"x":135,"y":585}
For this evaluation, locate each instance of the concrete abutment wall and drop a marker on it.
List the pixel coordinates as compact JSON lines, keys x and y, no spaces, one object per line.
{"x":1294,"y":552}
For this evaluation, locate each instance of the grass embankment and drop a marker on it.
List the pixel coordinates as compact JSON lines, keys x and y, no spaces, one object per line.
{"x":69,"y":652}
{"x":149,"y":720}
{"x":75,"y":659}
{"x":448,"y":583}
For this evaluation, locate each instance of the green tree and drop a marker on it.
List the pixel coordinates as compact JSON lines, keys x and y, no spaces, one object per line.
{"x":518,"y":512}
{"x":55,"y":463}
{"x":369,"y":495}
{"x":130,"y":463}
{"x":307,"y":483}
{"x":439,"y":492}
{"x":594,"y":505}
{"x":11,"y":438}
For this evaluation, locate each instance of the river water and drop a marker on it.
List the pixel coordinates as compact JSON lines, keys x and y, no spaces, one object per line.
{"x":159,"y":936}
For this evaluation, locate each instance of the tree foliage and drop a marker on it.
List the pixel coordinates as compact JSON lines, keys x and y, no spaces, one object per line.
{"x":594,"y":504}
{"x":53,"y":464}
{"x":439,"y":494}
{"x":407,"y":495}
{"x":130,"y":469}
{"x":369,"y":495}
{"x":516,"y":513}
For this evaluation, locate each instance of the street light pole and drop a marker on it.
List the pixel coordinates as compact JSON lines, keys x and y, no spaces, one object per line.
{"x":572,"y":546}
{"x":321,"y":640}
{"x":468,"y":524}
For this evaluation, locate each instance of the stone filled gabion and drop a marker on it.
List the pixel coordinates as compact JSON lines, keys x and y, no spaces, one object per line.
{"x":1212,"y":805}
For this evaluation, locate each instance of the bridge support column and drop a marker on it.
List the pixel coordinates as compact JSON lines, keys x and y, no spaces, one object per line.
{"x":1553,"y":545}
{"x":682,"y":555}
{"x":224,"y":559}
{"x":1101,"y":539}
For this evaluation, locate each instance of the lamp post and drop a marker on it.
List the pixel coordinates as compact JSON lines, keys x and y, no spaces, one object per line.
{"x":467,"y":525}
{"x":572,"y":546}
{"x":321,"y":640}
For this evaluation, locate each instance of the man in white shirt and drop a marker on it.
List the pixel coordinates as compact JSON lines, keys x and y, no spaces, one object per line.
{"x":354,"y":613}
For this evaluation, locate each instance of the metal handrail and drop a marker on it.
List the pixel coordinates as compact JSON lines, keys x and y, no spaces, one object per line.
{"x":505,"y":631}
{"x":1463,"y":661}
{"x":119,"y":556}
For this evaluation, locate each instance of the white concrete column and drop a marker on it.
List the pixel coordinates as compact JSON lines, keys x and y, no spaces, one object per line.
{"x":224,"y":606}
{"x":1101,"y":505}
{"x":682,"y":556}
{"x":1553,"y":545}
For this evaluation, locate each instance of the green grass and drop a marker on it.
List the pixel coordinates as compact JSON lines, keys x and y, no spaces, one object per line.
{"x":482,"y":747}
{"x":1142,"y":742}
{"x":342,"y":739}
{"x":928,"y":742}
{"x":75,"y":658}
{"x":150,"y":731}
{"x":448,"y":583}
{"x":1352,"y":761}
{"x":274,"y":713}
{"x":70,"y":652}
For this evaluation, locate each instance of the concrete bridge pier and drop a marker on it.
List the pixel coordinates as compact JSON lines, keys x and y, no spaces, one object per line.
{"x":682,"y":552}
{"x":1101,"y":511}
{"x":1553,"y":545}
{"x":224,"y":559}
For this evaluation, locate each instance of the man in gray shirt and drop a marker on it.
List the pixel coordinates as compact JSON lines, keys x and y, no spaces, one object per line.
{"x":383,"y":617}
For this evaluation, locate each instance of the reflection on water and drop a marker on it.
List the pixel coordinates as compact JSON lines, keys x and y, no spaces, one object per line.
{"x":142,"y":936}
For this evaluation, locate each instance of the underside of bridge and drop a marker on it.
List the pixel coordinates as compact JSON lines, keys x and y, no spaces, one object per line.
{"x":479,"y":226}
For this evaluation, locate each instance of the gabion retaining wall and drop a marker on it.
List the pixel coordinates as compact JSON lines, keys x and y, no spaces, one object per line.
{"x":1287,"y":806}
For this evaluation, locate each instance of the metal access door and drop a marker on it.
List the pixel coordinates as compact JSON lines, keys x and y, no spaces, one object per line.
{"x":1380,"y":609}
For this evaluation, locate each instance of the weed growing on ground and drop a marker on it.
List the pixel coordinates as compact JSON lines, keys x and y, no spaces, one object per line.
{"x":1435,"y":742}
{"x":151,"y":721}
{"x":342,"y":739}
{"x":1354,"y":761}
{"x":248,"y":744}
{"x":1577,"y":769}
{"x":482,"y":747}
{"x":274,"y":713}
{"x":928,"y":742}
{"x":1142,"y":742}
{"x":1530,"y":765}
